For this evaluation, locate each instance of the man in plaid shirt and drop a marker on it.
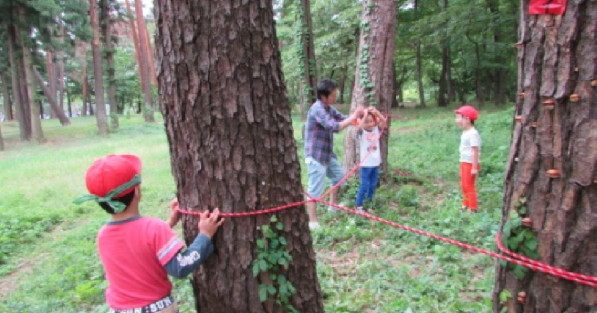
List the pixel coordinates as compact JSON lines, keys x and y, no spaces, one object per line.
{"x":323,"y":120}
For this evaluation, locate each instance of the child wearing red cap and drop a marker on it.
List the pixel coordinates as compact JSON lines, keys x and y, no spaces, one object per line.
{"x":470,"y":153}
{"x":139,"y":252}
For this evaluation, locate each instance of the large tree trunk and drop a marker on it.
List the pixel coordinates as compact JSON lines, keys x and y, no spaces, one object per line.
{"x":562,"y":209}
{"x":58,"y":111}
{"x":106,"y":23}
{"x":16,"y":79}
{"x":442,"y":100}
{"x":6,"y":96}
{"x":231,"y":142}
{"x":148,"y":107}
{"x":375,"y":86}
{"x":100,"y":105}
{"x":306,"y":56}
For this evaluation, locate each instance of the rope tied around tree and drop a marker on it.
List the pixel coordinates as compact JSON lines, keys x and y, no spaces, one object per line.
{"x":507,"y":255}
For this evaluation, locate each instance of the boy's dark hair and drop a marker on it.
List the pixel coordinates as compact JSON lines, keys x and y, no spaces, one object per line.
{"x":126,"y":200}
{"x":325,"y":87}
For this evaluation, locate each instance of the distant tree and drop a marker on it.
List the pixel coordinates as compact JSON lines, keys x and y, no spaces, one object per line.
{"x":4,"y":80}
{"x":552,"y":166}
{"x":148,"y":106}
{"x":100,"y":106}
{"x":231,"y":141}
{"x":109,"y":41}
{"x":305,"y":52}
{"x":375,"y":82}
{"x":51,"y":96}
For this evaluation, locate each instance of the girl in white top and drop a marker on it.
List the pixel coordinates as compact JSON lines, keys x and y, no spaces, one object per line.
{"x":368,"y":136}
{"x":470,"y":154}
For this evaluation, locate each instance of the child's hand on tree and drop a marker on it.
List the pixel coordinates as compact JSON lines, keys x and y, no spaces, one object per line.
{"x":208,"y":222}
{"x":174,"y":213}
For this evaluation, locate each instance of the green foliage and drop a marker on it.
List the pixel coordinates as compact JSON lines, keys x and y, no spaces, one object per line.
{"x":16,"y":231}
{"x":272,"y":259}
{"x":519,"y":239}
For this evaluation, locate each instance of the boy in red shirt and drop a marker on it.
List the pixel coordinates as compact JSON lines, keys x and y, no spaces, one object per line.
{"x":139,"y":252}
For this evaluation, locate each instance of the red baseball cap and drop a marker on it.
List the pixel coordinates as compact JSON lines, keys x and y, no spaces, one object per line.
{"x":468,"y":111}
{"x":111,"y":172}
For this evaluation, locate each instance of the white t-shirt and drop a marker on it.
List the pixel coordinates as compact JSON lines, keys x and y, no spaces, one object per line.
{"x":470,"y":138}
{"x":369,"y":140}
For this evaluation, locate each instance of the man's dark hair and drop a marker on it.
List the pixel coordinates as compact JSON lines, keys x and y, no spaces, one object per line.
{"x":126,"y":200}
{"x":325,"y":87}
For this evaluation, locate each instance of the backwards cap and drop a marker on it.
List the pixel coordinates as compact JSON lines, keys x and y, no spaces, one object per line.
{"x":468,"y":111}
{"x":111,"y":177}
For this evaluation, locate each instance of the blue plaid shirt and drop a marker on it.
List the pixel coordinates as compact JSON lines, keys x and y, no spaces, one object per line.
{"x":322,"y":122}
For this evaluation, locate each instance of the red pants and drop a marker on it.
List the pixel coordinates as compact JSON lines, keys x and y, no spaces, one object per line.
{"x":467,"y":181}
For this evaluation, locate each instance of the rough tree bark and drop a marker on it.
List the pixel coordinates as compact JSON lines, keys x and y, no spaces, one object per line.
{"x":231,"y":142}
{"x":374,"y":87}
{"x":557,"y":60}
{"x":100,"y":104}
{"x":148,"y":106}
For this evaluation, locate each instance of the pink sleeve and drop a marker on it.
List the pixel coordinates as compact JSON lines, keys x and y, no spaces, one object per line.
{"x":167,"y":243}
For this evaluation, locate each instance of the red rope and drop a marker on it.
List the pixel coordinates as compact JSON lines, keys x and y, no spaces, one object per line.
{"x":513,"y":257}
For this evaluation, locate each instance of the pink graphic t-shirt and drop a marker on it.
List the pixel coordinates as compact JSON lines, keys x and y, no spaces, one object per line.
{"x":134,"y":253}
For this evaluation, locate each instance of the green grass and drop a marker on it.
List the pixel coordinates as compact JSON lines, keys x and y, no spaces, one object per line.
{"x":47,"y":244}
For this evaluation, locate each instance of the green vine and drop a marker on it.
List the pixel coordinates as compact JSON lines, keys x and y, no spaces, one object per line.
{"x":272,"y":259}
{"x":518,"y":238}
{"x":300,"y":30}
{"x":364,"y":79}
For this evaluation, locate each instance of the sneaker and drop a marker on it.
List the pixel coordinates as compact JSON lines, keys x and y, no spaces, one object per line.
{"x":313,"y":225}
{"x":332,"y":209}
{"x":360,"y":209}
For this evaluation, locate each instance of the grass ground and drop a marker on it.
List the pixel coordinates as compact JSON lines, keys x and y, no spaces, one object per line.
{"x":48,"y":261}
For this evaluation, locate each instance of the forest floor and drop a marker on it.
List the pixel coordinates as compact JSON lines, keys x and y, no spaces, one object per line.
{"x":48,"y":259}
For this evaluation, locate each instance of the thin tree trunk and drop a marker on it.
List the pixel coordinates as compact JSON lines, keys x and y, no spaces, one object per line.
{"x":50,"y":69}
{"x":148,"y":107}
{"x":16,"y":79}
{"x":563,"y":139}
{"x":6,"y":96}
{"x":37,"y":133}
{"x":420,"y":75}
{"x":150,"y":60}
{"x":443,"y":77}
{"x":51,"y":98}
{"x":61,"y":70}
{"x":450,"y":81}
{"x":375,"y":86}
{"x":135,"y":39}
{"x":100,"y":106}
{"x":69,"y":105}
{"x":306,"y":56}
{"x":109,"y":52}
{"x":84,"y":90}
{"x":231,"y":142}
{"x":1,"y":140}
